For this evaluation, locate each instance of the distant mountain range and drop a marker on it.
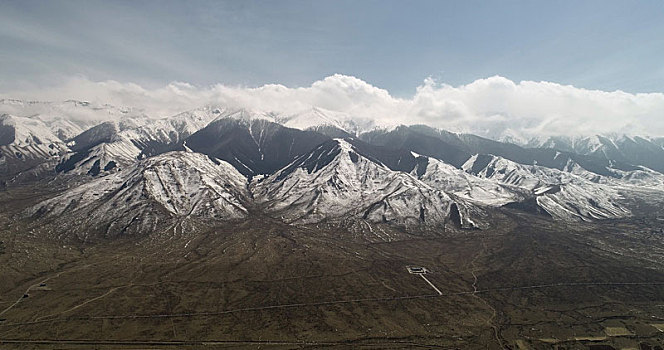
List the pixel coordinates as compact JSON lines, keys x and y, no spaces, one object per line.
{"x":128,"y":172}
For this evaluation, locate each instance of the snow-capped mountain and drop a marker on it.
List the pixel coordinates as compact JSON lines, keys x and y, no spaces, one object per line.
{"x":314,"y":118}
{"x":319,"y":118}
{"x":252,"y":144}
{"x":120,"y":143}
{"x":561,"y":194}
{"x":473,"y":189}
{"x":456,"y":149}
{"x":28,"y":148}
{"x":316,"y":166}
{"x":336,"y":181}
{"x":69,"y":118}
{"x":175,"y":185}
{"x":627,"y":149}
{"x":28,"y":136}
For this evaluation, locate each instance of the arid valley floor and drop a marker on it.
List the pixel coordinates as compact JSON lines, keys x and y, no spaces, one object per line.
{"x":527,"y":283}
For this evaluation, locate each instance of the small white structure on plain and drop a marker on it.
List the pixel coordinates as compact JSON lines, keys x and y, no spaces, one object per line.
{"x":417,"y":270}
{"x":420,"y":270}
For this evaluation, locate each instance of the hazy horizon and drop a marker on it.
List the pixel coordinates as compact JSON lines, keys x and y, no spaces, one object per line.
{"x":495,"y":107}
{"x":510,"y":68}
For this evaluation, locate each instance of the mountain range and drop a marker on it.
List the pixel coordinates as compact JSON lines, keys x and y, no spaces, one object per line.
{"x":124,"y":172}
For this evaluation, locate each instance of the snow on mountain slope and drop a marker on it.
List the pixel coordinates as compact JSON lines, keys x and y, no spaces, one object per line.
{"x":25,"y":131}
{"x":305,"y":176}
{"x":644,"y":177}
{"x":176,"y":185}
{"x":254,"y":146}
{"x":64,"y":128}
{"x":150,"y":136}
{"x":102,"y":147}
{"x":335,"y":182}
{"x":581,"y":145}
{"x":69,"y":118}
{"x":121,"y":143}
{"x":246,"y":139}
{"x":316,"y":118}
{"x":309,"y":119}
{"x":562,"y":194}
{"x":635,"y":150}
{"x":28,"y":138}
{"x":248,"y":115}
{"x":639,"y":177}
{"x":474,"y":189}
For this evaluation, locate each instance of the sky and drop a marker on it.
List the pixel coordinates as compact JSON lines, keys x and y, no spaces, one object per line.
{"x":600,"y":53}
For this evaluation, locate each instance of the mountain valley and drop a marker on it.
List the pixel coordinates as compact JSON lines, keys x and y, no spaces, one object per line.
{"x":226,"y":227}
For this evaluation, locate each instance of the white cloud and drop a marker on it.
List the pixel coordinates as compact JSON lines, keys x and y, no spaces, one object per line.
{"x":492,"y":107}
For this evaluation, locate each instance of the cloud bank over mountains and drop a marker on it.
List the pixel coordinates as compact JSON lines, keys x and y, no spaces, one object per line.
{"x":494,"y":107}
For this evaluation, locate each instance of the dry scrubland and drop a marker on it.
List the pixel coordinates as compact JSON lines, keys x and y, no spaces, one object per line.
{"x":527,"y":283}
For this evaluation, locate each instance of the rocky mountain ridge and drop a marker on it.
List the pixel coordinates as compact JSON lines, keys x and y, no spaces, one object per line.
{"x":222,"y":164}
